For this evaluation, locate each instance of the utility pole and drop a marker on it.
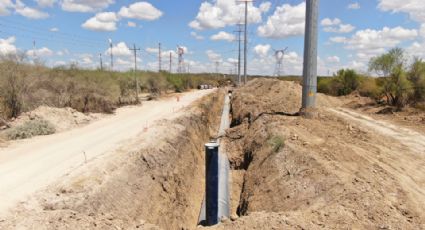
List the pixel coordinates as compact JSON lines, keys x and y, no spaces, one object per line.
{"x":159,"y":57}
{"x":217,"y":63}
{"x":135,"y":71}
{"x":310,"y":59}
{"x":171,"y":61}
{"x":101,"y":61}
{"x":34,"y":54}
{"x":112,"y":55}
{"x":246,"y":41}
{"x":239,"y":31}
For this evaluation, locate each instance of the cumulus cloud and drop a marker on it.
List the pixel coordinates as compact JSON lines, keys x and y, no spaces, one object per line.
{"x":213,"y":56}
{"x":330,"y":22}
{"x":29,"y":12}
{"x":105,"y":21}
{"x":46,"y":3}
{"x":333,"y":59}
{"x":370,"y":42}
{"x":224,"y":36}
{"x":196,"y":35}
{"x":286,"y":21}
{"x":131,"y":24}
{"x":7,"y":46}
{"x":415,"y":8}
{"x":335,"y":26}
{"x":354,"y":6}
{"x":222,"y":13}
{"x":120,"y":49}
{"x":5,"y":7}
{"x":85,"y":5}
{"x":140,"y":10}
{"x":42,"y":52}
{"x":262,"y":50}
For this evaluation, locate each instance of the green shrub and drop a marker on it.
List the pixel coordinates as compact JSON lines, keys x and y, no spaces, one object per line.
{"x":276,"y":142}
{"x":30,"y":129}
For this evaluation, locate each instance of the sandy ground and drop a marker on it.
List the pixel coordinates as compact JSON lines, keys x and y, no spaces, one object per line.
{"x":29,"y":165}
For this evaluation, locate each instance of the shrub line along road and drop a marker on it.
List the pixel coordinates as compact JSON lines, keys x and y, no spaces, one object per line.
{"x":29,"y":165}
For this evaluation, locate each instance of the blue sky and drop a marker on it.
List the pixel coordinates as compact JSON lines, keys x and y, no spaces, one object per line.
{"x":77,"y":31}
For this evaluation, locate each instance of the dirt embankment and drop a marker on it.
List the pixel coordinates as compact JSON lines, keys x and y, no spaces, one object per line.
{"x":156,"y":181}
{"x":326,"y":173}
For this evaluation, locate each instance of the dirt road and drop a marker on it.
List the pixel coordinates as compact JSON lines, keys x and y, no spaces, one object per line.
{"x":29,"y":165}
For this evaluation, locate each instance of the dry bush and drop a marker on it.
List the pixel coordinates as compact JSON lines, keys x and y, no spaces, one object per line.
{"x":30,"y":129}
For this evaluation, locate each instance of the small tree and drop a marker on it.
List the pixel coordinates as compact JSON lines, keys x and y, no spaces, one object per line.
{"x":416,"y":76}
{"x":394,"y":86}
{"x":348,"y":81}
{"x":12,"y":84}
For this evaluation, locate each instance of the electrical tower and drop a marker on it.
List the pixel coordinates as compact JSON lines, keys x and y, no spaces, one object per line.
{"x":245,"y":40}
{"x":101,"y":61}
{"x":279,"y":54}
{"x":217,"y":65}
{"x":239,"y":31}
{"x":159,"y":57}
{"x":171,"y":62}
{"x":180,"y":52}
{"x":112,"y":55}
{"x":135,"y":70}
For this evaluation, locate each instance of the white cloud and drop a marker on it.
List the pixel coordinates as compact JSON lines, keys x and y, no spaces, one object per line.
{"x":5,"y":7}
{"x":46,"y":3}
{"x":342,"y":29}
{"x":330,"y":22}
{"x":354,"y":6}
{"x":213,"y":56}
{"x":131,"y":24}
{"x":7,"y":46}
{"x":140,"y":10}
{"x":120,"y":49}
{"x":224,"y":36}
{"x":54,"y":29}
{"x":85,"y":5}
{"x":196,"y":35}
{"x":29,"y":12}
{"x":335,"y":26}
{"x":105,"y":21}
{"x":42,"y":52}
{"x":286,"y":21}
{"x":333,"y":59}
{"x":368,"y":43}
{"x":415,"y":8}
{"x":222,"y":13}
{"x":262,"y":50}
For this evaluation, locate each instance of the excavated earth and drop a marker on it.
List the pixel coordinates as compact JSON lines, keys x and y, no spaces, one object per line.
{"x":325,"y":173}
{"x":155,"y":181}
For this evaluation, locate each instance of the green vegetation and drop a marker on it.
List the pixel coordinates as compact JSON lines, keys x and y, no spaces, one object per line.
{"x":276,"y":142}
{"x":24,"y":87}
{"x":30,"y":129}
{"x":399,"y":84}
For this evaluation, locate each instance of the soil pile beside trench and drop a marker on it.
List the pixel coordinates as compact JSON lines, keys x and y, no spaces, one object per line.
{"x":324,"y":173}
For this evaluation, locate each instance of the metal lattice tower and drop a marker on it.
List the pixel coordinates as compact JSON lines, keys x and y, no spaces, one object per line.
{"x":180,"y":52}
{"x":279,"y":55}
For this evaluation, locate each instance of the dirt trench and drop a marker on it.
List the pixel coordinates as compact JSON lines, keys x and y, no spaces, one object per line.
{"x":326,"y":173}
{"x":155,"y":182}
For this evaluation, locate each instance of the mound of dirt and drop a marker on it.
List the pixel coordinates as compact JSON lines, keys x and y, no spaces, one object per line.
{"x":62,"y":118}
{"x":270,"y":96}
{"x":316,"y":173}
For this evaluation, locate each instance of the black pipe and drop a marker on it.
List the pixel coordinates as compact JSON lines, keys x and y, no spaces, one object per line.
{"x":211,"y":183}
